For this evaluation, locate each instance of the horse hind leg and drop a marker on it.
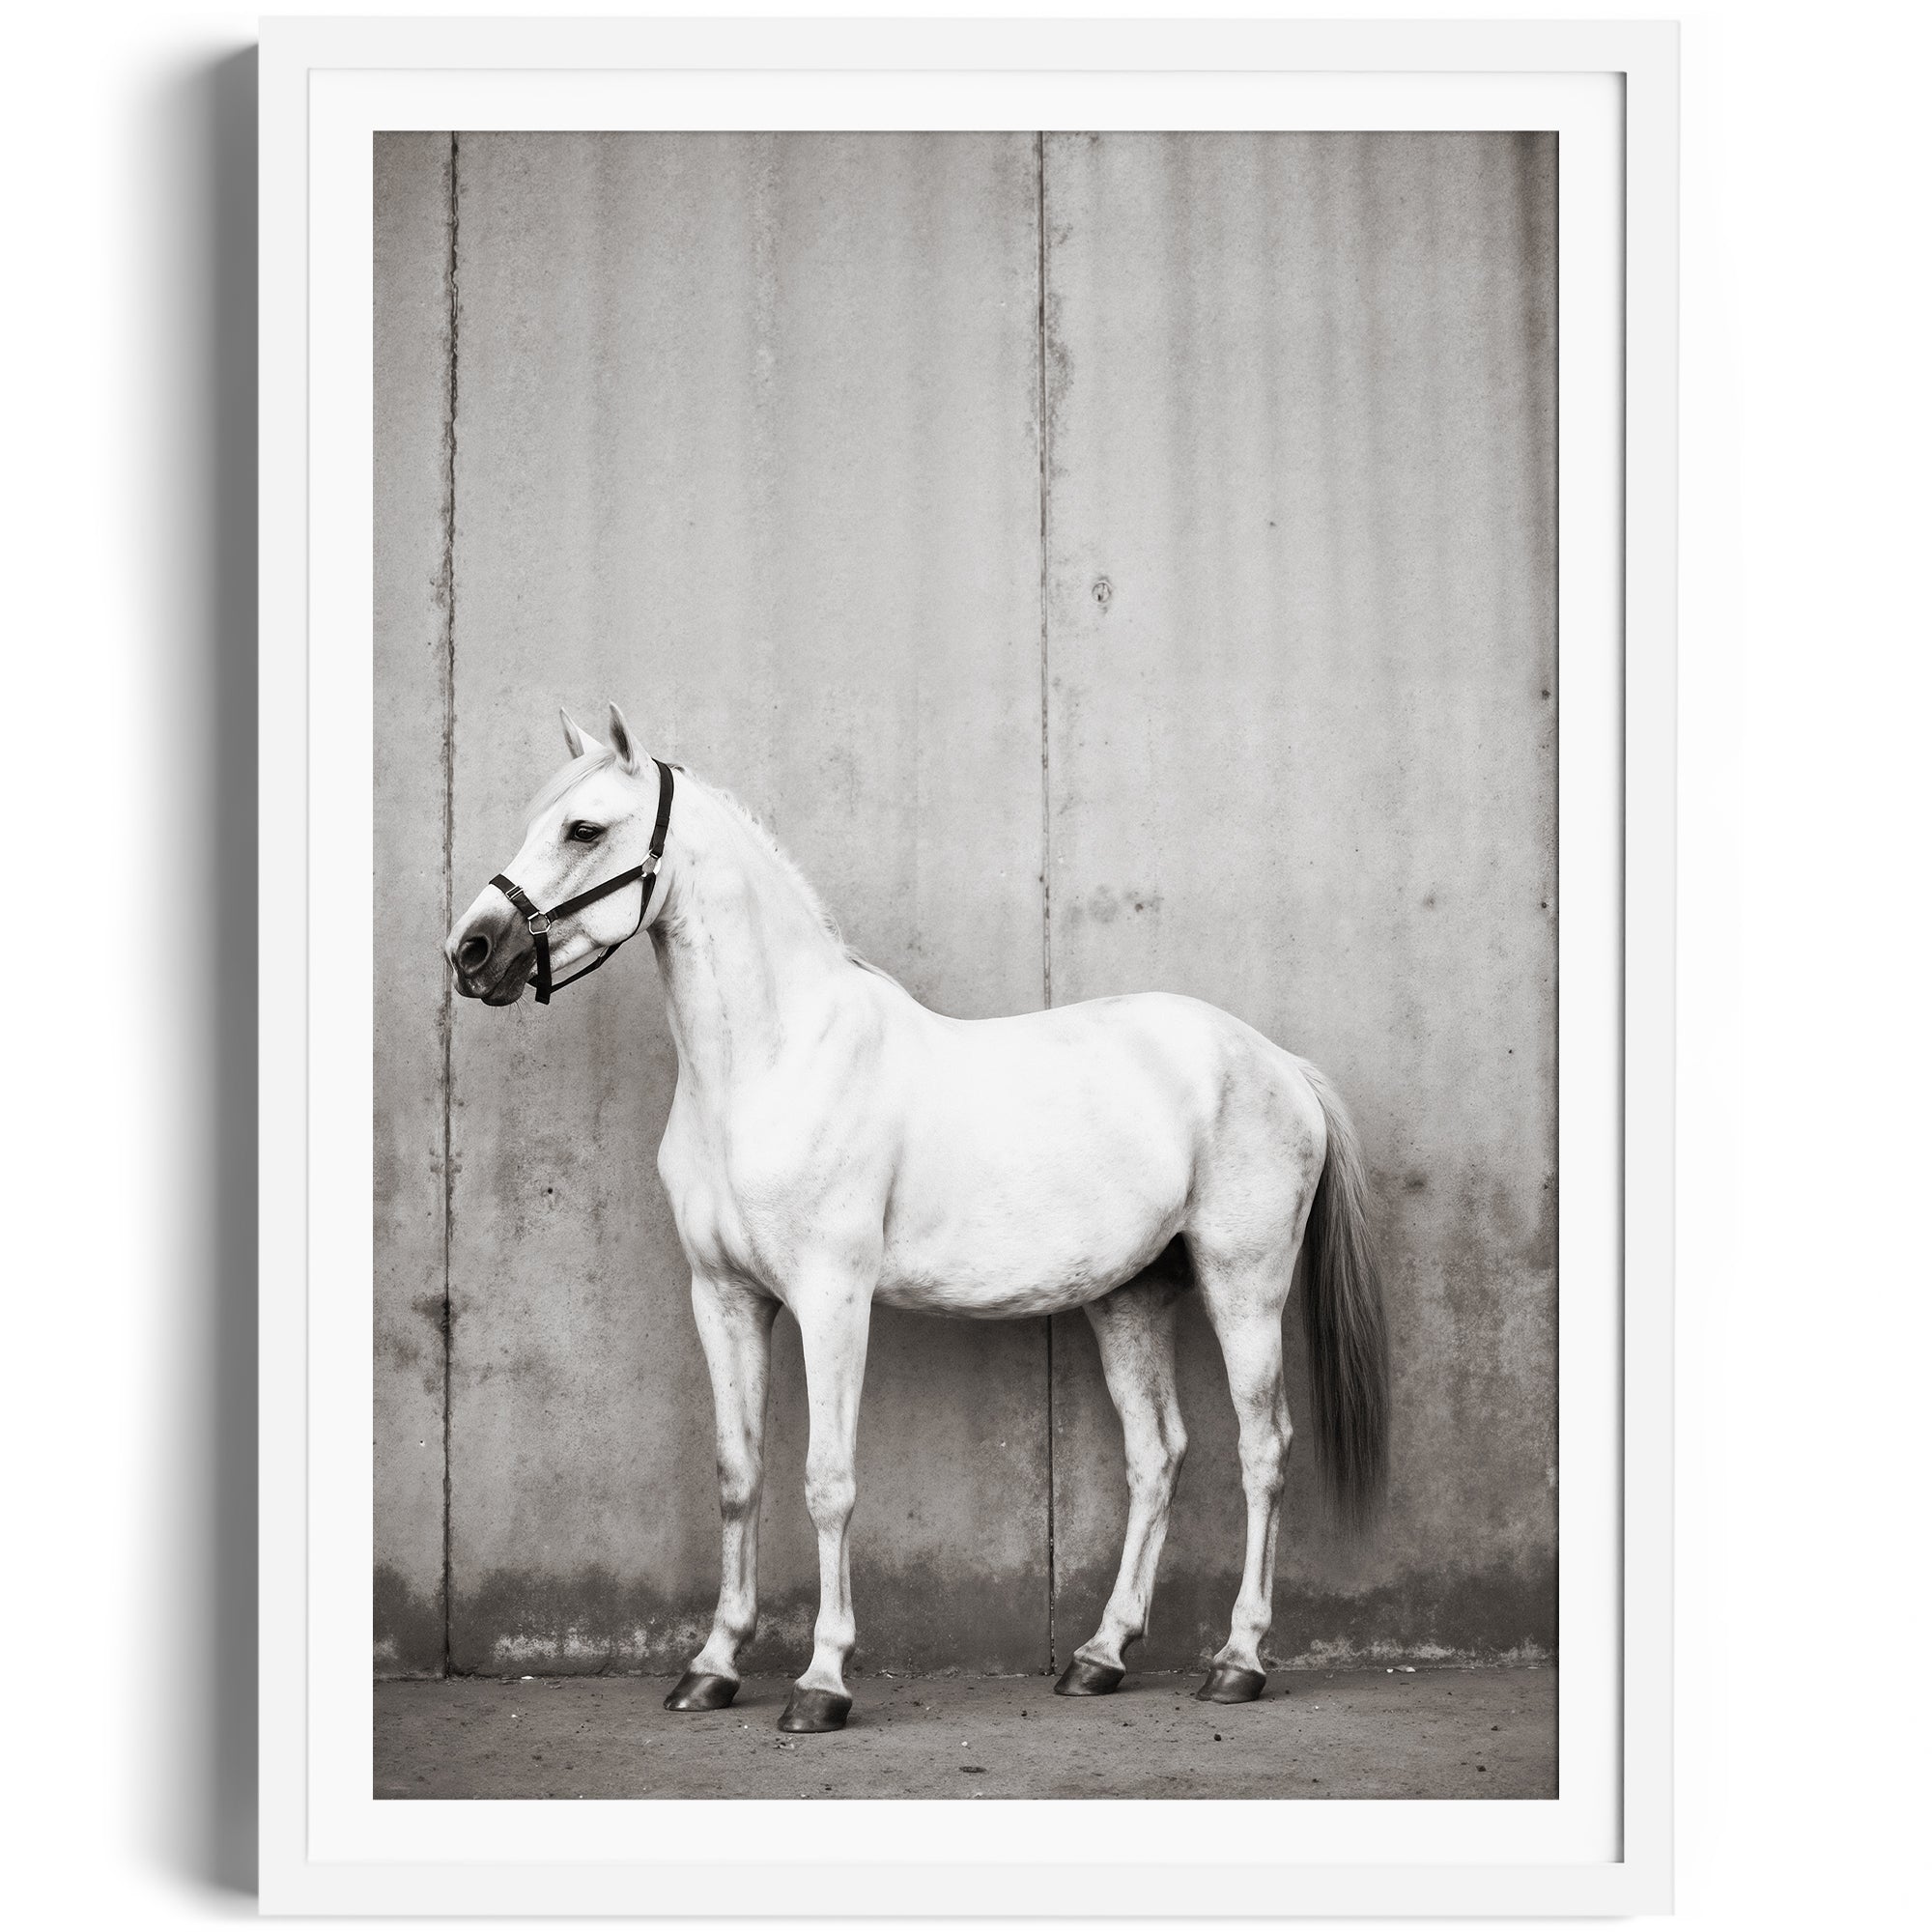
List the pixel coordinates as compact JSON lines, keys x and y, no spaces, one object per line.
{"x":1245,"y":1309}
{"x":1134,"y":1326}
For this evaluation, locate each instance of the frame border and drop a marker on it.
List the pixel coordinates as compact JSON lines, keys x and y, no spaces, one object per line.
{"x":1646,"y":54}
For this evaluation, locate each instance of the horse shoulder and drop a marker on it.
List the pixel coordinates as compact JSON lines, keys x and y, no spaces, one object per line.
{"x":812,"y":1140}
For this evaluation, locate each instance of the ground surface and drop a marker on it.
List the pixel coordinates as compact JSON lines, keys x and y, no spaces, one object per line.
{"x":1314,"y":1734}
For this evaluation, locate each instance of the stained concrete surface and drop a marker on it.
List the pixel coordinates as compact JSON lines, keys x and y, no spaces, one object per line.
{"x":1314,"y":1734}
{"x":411,"y":625}
{"x":744,"y":439}
{"x":1169,"y":591}
{"x":1301,"y":651}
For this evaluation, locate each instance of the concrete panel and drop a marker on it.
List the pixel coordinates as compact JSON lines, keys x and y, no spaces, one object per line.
{"x":412,"y":322}
{"x":745,"y":439}
{"x":1301,"y":742}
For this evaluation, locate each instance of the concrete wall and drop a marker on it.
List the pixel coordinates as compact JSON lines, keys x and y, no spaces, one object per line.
{"x":411,"y":884}
{"x":1301,"y":655}
{"x":745,"y":430}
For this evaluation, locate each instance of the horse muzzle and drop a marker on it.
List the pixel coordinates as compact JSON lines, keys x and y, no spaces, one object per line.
{"x":490,"y":957}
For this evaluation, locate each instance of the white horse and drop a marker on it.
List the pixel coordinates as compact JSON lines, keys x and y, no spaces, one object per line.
{"x":832,"y":1143}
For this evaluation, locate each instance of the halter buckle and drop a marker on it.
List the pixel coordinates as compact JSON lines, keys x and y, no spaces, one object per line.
{"x":538,"y":924}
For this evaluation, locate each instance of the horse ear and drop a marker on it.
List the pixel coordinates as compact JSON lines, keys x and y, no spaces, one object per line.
{"x":577,"y":740}
{"x":630,"y":755}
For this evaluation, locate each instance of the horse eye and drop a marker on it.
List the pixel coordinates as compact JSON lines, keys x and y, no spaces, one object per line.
{"x":583,"y":832}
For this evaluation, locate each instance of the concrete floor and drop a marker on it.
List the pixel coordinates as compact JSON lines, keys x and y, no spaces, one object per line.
{"x":1314,"y":1734}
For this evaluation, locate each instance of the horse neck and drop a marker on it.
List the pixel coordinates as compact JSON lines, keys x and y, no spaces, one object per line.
{"x":739,"y":945}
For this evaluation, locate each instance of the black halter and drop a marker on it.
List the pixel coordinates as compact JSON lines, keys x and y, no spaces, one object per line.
{"x":540,"y":923}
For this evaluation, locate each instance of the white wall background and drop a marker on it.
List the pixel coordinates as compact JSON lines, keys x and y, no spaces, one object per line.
{"x":1807,"y":681}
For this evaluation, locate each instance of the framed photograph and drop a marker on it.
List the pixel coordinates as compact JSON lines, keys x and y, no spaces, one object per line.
{"x":1082,"y":1325}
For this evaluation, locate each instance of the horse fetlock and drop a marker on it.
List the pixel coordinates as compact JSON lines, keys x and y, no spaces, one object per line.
{"x":826,"y":1669}
{"x":1107,"y":1646}
{"x":1250,"y":1625}
{"x":833,"y":1639}
{"x":735,"y":1624}
{"x":1244,"y":1654}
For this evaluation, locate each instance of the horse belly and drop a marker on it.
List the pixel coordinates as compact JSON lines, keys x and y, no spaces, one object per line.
{"x":1015,"y":1230}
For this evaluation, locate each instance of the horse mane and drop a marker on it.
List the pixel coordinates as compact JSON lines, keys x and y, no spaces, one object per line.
{"x":578,"y":770}
{"x":788,"y":868}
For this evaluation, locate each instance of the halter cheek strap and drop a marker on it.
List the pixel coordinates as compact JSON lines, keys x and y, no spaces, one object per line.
{"x":539,"y":922}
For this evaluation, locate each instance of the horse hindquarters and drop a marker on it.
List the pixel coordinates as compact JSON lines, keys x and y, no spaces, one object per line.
{"x":1244,"y":1305}
{"x":1286,"y":1160}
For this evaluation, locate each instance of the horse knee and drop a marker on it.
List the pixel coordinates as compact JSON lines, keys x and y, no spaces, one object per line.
{"x":737,"y":1494}
{"x":830,"y":1492}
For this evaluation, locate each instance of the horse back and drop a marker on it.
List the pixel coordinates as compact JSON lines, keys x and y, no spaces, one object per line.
{"x":1048,"y":1158}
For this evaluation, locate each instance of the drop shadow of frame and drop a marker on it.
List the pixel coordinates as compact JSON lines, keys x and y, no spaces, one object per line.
{"x":199,"y":265}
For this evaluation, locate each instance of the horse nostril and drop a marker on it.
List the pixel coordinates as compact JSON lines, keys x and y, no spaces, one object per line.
{"x":473,"y":951}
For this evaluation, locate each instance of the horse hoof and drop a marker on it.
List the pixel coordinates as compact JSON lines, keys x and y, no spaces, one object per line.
{"x":1081,"y":1679}
{"x":814,"y":1711}
{"x":701,"y":1690}
{"x":1230,"y":1684}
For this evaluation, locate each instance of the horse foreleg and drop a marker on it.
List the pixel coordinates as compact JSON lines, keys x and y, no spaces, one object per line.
{"x":1249,"y":1329}
{"x":833,"y":1319}
{"x":1134,"y":1326}
{"x":735,"y":1328}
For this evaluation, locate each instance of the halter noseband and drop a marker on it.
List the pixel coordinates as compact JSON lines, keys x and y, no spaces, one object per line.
{"x":540,"y":923}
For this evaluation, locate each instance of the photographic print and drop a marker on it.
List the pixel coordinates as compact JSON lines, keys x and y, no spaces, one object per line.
{"x":1022,"y":670}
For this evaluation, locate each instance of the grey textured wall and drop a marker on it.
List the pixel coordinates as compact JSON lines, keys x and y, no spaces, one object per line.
{"x":413,"y":639}
{"x":1241,"y":686}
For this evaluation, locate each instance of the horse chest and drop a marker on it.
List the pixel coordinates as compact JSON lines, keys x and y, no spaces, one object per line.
{"x":755,"y":1197}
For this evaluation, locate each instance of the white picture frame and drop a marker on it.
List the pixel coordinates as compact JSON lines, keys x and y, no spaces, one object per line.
{"x":324,"y":86}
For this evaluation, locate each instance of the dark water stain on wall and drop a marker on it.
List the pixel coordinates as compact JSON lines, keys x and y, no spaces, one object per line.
{"x":591,"y":1620}
{"x":1501,"y":1614}
{"x":407,"y":1626}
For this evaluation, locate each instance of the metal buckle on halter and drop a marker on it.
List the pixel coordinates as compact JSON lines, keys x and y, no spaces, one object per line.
{"x":538,"y":924}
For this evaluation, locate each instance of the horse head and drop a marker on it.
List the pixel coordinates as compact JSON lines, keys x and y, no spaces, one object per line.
{"x":591,"y":841}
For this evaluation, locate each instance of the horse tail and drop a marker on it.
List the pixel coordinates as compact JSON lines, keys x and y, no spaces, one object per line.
{"x":1342,"y":1317}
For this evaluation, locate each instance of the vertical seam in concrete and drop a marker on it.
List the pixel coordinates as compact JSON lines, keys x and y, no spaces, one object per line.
{"x":1556,"y":819}
{"x":1046,"y":472}
{"x":446,"y":1014}
{"x":1045,"y":815}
